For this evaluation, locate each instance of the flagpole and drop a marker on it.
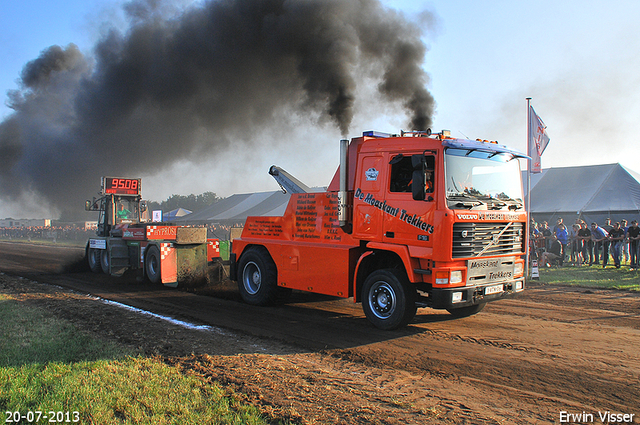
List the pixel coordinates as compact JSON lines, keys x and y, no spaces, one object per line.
{"x":528,"y":201}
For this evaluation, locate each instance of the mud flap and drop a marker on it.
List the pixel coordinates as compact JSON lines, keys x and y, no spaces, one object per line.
{"x":119,"y":260}
{"x":213,"y":249}
{"x":168,"y":265}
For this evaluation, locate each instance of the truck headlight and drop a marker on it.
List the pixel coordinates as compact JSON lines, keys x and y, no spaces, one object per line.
{"x":456,"y":276}
{"x":518,"y":270}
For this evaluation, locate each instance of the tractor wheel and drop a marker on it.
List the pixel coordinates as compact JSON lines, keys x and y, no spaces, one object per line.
{"x":466,"y":311}
{"x":258,"y":277}
{"x":152,"y":264}
{"x":388,"y":299}
{"x":93,"y":258}
{"x":104,"y":260}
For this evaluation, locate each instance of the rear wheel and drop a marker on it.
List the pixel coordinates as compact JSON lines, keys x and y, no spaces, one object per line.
{"x":258,"y":277}
{"x":388,"y":299}
{"x":93,"y":258}
{"x":466,"y":311}
{"x":152,"y":264}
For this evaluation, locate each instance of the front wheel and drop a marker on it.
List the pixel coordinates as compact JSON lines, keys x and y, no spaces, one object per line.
{"x":104,"y":261}
{"x":152,"y":264}
{"x":93,"y":258}
{"x":388,"y":299}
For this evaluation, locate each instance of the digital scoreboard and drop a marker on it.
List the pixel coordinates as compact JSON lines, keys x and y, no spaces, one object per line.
{"x":120,"y":186}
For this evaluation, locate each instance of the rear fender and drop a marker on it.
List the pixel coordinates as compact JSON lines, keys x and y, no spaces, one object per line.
{"x":235,"y":257}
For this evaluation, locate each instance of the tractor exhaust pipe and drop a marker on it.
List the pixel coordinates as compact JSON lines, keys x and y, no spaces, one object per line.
{"x":342,"y":194}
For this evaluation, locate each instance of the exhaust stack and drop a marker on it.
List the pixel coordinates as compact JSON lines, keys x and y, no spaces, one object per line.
{"x":342,"y":194}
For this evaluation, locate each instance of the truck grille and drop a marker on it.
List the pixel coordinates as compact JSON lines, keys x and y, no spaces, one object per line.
{"x":470,"y":239}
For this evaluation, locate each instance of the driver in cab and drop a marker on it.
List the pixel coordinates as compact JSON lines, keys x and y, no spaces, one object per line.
{"x":123,"y":212}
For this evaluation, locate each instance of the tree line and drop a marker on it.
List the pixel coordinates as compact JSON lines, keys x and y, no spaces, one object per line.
{"x":189,"y":202}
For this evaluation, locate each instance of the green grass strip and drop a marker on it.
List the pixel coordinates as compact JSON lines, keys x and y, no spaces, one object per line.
{"x":48,"y":366}
{"x":125,"y":391}
{"x":593,"y":277}
{"x":29,"y":335}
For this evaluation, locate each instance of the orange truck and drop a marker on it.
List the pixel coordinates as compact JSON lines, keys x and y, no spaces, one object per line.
{"x":127,"y":240}
{"x":410,"y":220}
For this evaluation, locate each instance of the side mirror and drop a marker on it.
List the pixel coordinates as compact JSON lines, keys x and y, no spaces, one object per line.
{"x":418,"y":162}
{"x":418,"y":185}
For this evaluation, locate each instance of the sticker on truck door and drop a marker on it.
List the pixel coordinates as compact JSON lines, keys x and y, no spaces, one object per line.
{"x":401,"y":214}
{"x":372,"y":174}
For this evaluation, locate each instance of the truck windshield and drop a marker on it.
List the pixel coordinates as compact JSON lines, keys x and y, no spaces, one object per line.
{"x":126,"y":210}
{"x":478,"y":179}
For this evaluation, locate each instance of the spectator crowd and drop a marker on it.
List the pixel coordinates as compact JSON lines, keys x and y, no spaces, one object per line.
{"x":68,"y":233}
{"x":586,"y":244}
{"x":78,"y":234}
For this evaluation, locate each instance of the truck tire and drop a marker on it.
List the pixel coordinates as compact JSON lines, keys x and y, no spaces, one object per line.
{"x":93,"y":258}
{"x":104,"y":260}
{"x":388,"y":299}
{"x":257,"y":277}
{"x":466,"y":311}
{"x":152,"y":264}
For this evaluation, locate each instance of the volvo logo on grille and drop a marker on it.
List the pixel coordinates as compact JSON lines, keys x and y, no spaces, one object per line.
{"x":496,"y":238}
{"x":464,"y":233}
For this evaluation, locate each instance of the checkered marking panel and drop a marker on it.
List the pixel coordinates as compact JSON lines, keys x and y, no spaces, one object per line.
{"x":215,"y":245}
{"x":165,"y":249}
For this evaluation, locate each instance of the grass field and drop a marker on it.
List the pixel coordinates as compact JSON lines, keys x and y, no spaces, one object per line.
{"x":50,"y":369}
{"x":592,"y":277}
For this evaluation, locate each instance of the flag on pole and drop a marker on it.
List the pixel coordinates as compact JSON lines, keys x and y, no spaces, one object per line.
{"x":538,"y":140}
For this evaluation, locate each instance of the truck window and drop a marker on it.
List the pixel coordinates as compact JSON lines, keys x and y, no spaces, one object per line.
{"x":402,"y":173}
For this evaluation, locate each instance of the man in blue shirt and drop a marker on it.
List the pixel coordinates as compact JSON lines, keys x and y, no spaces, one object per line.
{"x":563,"y":237}
{"x":600,"y":236}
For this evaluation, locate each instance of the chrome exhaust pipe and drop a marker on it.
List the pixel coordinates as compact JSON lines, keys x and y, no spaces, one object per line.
{"x":342,"y":194}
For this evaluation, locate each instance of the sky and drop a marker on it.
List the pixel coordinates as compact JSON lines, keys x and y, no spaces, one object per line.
{"x":578,"y":61}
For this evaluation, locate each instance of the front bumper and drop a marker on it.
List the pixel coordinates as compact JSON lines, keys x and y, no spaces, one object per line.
{"x":466,"y":296}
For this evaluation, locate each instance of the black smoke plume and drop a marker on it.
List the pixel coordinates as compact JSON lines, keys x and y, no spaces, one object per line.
{"x":179,"y":87}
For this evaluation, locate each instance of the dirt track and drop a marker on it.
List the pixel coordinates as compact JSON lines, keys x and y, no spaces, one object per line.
{"x":317,"y":360}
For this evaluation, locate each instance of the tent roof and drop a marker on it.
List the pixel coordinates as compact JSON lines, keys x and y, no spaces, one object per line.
{"x":179,"y":212}
{"x":236,"y":208}
{"x":609,"y":187}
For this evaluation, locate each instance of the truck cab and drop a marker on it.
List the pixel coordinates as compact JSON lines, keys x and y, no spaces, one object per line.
{"x":120,"y":204}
